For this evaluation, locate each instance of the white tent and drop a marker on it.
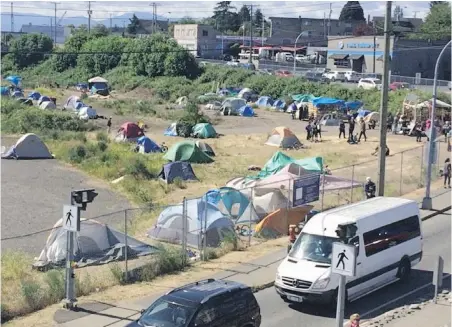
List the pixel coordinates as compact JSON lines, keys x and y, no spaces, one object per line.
{"x":97,"y":79}
{"x":170,"y":227}
{"x":428,"y":103}
{"x":86,"y":113}
{"x":71,"y":102}
{"x":245,"y":92}
{"x":234,"y":104}
{"x":47,"y":105}
{"x":29,"y":146}
{"x":95,"y":243}
{"x":269,"y":202}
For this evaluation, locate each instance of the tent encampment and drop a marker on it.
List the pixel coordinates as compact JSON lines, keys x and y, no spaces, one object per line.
{"x":86,"y":113}
{"x":47,"y":105}
{"x":72,"y":103}
{"x":129,"y":132}
{"x":277,"y":223}
{"x":233,"y":105}
{"x":246,"y":111}
{"x":187,"y":151}
{"x":204,"y":131}
{"x":264,"y":101}
{"x":200,"y":216}
{"x":147,"y":145}
{"x":171,"y":130}
{"x":43,"y":98}
{"x":233,"y":204}
{"x":207,"y":149}
{"x":34,"y":95}
{"x":284,"y":138}
{"x":178,"y":169}
{"x":94,"y":244}
{"x":29,"y":146}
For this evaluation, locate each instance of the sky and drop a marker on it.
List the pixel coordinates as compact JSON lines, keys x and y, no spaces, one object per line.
{"x":198,"y":9}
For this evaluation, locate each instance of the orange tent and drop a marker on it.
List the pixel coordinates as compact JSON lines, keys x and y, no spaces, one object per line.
{"x":277,"y":223}
{"x":283,"y":137}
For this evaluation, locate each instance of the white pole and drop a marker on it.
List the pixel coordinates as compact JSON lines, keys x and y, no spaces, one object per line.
{"x":295,"y":54}
{"x":340,"y":302}
{"x":427,"y":201}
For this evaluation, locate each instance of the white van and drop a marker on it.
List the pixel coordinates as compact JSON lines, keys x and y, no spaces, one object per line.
{"x":388,"y":238}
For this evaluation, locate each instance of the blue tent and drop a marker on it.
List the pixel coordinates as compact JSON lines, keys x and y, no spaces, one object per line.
{"x":34,"y":95}
{"x":43,"y":98}
{"x":177,"y":169}
{"x":17,"y":94}
{"x":353,"y":105}
{"x":292,"y":107}
{"x":5,"y":91}
{"x":14,"y":79}
{"x":148,"y":145}
{"x":79,"y":105}
{"x":363,"y":112}
{"x":328,"y":101}
{"x":279,"y":104}
{"x":246,"y":111}
{"x":171,"y":130}
{"x":264,"y":101}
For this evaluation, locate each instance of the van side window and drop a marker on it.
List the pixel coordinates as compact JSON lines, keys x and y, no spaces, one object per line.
{"x":355,"y":241}
{"x":384,"y":237}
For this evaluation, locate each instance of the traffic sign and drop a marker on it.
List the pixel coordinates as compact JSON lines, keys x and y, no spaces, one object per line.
{"x":71,"y":218}
{"x":344,"y":259}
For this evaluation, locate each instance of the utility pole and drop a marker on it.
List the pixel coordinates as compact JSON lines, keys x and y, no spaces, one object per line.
{"x":12,"y":17}
{"x":375,"y":45}
{"x":90,"y":12}
{"x":329,"y":19}
{"x":154,"y":16}
{"x":111,"y":24}
{"x":384,"y":102}
{"x":263,"y":30}
{"x":251,"y":34}
{"x":55,"y":26}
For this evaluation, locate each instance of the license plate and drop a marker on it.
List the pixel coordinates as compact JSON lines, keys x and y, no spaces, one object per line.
{"x":295,"y":298}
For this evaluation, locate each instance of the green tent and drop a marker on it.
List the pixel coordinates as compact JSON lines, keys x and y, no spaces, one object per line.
{"x":303,"y":97}
{"x":280,"y":160}
{"x":204,"y":131}
{"x":187,"y":151}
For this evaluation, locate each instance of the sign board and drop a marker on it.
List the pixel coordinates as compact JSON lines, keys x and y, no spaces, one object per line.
{"x":71,"y":218}
{"x":417,"y":79}
{"x":344,"y":259}
{"x":306,"y":190}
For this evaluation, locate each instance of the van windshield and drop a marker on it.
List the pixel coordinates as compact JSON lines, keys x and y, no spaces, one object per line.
{"x":315,"y":248}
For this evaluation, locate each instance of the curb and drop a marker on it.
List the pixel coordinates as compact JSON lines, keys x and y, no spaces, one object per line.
{"x":258,"y":288}
{"x":436,"y":213}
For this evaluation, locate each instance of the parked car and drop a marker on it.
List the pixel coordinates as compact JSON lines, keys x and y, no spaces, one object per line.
{"x":352,"y":76}
{"x":316,"y":77}
{"x":205,"y":303}
{"x":335,"y":76}
{"x":369,"y":84}
{"x":399,"y":85}
{"x":283,"y":73}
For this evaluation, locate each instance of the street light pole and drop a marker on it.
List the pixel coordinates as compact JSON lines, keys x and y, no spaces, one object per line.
{"x":427,"y":200}
{"x":295,"y":54}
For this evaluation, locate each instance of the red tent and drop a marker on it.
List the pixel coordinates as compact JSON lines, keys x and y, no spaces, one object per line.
{"x":131,"y":130}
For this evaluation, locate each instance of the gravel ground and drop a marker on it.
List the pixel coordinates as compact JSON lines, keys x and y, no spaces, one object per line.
{"x":33,"y":195}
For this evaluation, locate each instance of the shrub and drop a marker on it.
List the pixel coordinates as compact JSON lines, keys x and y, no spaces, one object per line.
{"x":77,"y":154}
{"x":117,"y":272}
{"x":33,"y":294}
{"x":56,"y":284}
{"x":102,"y":145}
{"x":102,"y":136}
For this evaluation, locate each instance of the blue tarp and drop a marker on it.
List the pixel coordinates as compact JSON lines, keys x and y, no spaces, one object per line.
{"x":14,"y":79}
{"x":280,"y":104}
{"x":5,"y":91}
{"x":246,"y":111}
{"x":148,"y":144}
{"x":292,"y":108}
{"x":177,"y":169}
{"x":363,"y":112}
{"x":353,"y":105}
{"x":328,"y":101}
{"x":34,"y":95}
{"x":264,"y":101}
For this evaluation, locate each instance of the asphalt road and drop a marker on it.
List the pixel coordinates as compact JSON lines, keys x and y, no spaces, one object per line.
{"x":33,"y":195}
{"x":437,"y":238}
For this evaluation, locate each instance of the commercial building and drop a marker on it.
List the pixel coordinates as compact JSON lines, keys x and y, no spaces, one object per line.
{"x":200,"y":39}
{"x":408,"y":57}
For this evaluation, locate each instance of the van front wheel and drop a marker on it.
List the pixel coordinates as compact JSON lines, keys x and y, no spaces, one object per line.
{"x":404,"y":270}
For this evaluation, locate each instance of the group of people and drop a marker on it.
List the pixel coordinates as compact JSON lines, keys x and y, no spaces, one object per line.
{"x":313,"y":131}
{"x":353,"y":138}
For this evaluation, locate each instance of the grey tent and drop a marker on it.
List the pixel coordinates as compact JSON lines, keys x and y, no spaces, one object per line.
{"x":177,"y":169}
{"x":29,"y":146}
{"x":95,"y":244}
{"x":207,"y":149}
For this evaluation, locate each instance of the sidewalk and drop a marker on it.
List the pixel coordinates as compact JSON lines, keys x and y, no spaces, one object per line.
{"x":259,"y":274}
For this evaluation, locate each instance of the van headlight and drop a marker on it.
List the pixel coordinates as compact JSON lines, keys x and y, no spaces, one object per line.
{"x":321,"y":283}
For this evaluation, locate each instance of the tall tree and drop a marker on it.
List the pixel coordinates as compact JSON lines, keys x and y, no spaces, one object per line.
{"x":187,"y":20}
{"x":258,"y":18}
{"x":134,"y":24}
{"x":244,"y":14}
{"x":432,"y":3}
{"x":437,"y":24}
{"x":100,"y":30}
{"x":225,"y":18}
{"x":352,"y":10}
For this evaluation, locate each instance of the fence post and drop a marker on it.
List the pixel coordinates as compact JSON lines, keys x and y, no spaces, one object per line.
{"x":401,"y":173}
{"x":251,"y":215}
{"x":126,"y":245}
{"x":323,"y":191}
{"x":184,"y":232}
{"x":439,"y":154}
{"x":421,"y":182}
{"x":353,"y":178}
{"x":204,"y":243}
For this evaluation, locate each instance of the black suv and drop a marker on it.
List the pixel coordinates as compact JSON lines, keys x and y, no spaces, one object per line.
{"x":210,"y":302}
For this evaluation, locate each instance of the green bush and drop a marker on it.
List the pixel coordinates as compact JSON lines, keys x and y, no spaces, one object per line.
{"x":33,"y":294}
{"x":56,"y":284}
{"x":77,"y":154}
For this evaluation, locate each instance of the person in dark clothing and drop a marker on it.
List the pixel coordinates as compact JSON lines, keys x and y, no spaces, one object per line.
{"x":342,"y":129}
{"x":418,"y":129}
{"x":447,"y":173}
{"x":315,"y":132}
{"x":370,"y":188}
{"x":351,"y":128}
{"x":308,"y":132}
{"x":109,"y":125}
{"x":372,"y":124}
{"x":362,"y":131}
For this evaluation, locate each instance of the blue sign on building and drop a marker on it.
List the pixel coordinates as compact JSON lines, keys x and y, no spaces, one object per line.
{"x":306,"y":190}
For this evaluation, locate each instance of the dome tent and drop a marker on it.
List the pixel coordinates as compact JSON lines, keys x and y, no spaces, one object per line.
{"x":34,"y":95}
{"x":86,"y":113}
{"x":47,"y":105}
{"x":199,"y":213}
{"x":129,"y":132}
{"x":283,"y":137}
{"x":73,"y":102}
{"x":43,"y":98}
{"x":147,"y":145}
{"x":264,"y":101}
{"x":204,"y":131}
{"x":29,"y":146}
{"x":246,"y":111}
{"x":206,"y":148}
{"x":179,"y":169}
{"x":171,"y":130}
{"x":187,"y":151}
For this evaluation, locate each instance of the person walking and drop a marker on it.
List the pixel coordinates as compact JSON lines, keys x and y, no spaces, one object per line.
{"x":447,"y":173}
{"x":362,"y":131}
{"x":109,"y":125}
{"x":342,"y":129}
{"x":354,"y":320}
{"x":308,"y":132}
{"x":351,"y":127}
{"x":319,"y":131}
{"x":315,"y":132}
{"x":418,"y":132}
